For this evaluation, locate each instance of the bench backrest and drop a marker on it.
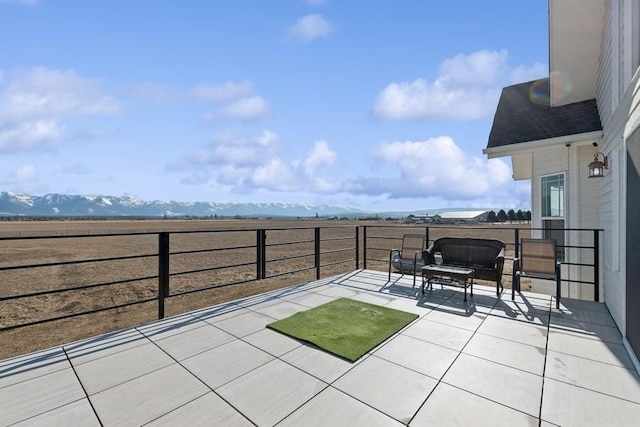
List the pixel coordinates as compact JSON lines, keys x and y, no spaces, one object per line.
{"x":468,"y":251}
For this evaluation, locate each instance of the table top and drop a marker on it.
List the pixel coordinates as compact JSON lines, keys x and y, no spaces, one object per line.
{"x":435,"y":268}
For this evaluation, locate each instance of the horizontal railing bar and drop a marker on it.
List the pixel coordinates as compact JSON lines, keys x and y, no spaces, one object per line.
{"x":289,"y":272}
{"x":333,"y":251}
{"x":290,"y":257}
{"x":76,"y":288}
{"x":197,"y":251}
{"x":75,"y":262}
{"x":82,"y":313}
{"x":202,"y":270}
{"x":273,"y":245}
{"x":208,"y":288}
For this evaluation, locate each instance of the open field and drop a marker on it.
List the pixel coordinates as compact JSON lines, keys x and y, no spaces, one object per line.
{"x":199,"y":258}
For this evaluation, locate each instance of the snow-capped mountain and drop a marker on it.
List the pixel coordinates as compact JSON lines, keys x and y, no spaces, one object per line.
{"x":99,"y":205}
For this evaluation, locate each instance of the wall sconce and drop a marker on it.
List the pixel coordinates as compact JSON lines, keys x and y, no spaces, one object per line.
{"x":597,"y":167}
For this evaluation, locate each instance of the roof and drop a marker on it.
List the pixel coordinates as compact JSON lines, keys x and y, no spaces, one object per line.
{"x":461,"y":214}
{"x":524,"y":115}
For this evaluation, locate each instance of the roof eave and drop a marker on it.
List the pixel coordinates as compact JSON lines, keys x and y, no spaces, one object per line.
{"x":537,"y":145}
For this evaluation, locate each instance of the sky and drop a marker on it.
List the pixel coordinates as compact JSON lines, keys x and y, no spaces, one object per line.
{"x":377,"y":105}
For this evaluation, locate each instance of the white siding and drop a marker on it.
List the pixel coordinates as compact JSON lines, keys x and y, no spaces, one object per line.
{"x":618,"y":102}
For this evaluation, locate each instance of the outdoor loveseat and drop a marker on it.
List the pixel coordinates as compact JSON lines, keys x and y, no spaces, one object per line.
{"x":484,"y":256}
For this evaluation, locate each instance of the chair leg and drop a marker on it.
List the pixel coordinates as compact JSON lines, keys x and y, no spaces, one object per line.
{"x":558,"y":286}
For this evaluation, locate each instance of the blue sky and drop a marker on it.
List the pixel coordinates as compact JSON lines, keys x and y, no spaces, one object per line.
{"x":378,"y":105}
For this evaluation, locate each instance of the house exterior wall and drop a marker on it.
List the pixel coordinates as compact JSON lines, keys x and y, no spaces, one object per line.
{"x":580,"y":212}
{"x":618,"y":101}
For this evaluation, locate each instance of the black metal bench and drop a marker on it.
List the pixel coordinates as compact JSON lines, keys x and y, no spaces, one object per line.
{"x":484,"y":256}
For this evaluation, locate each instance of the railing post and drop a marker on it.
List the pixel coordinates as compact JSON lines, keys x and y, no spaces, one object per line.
{"x":517,"y":237}
{"x":357,"y":248}
{"x":596,"y":265}
{"x":426,"y":235}
{"x":263,"y":251}
{"x":364,"y":246}
{"x":317,"y":252}
{"x":163,"y":271}
{"x":259,"y":254}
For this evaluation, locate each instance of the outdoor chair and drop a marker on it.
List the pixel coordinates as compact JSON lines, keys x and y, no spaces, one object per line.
{"x":539,"y":260}
{"x":409,"y":258}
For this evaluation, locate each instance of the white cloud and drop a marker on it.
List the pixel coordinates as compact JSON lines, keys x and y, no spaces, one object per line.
{"x":30,"y":135}
{"x":320,"y":155}
{"x":251,"y":164}
{"x":253,"y":108}
{"x":310,"y":27}
{"x":35,"y":101}
{"x":467,"y":87}
{"x":42,"y":92}
{"x":23,"y":174}
{"x":436,"y":167}
{"x":227,"y":91}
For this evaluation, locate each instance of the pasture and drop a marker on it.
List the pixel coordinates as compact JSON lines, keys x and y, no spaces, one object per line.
{"x":199,"y":258}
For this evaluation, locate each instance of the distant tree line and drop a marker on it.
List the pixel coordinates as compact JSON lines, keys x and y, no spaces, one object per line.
{"x":510,"y":215}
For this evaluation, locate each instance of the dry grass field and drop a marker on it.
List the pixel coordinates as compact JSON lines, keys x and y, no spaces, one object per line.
{"x":200,"y":257}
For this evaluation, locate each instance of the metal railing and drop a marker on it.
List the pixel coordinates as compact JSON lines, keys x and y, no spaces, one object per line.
{"x":180,"y":263}
{"x":287,"y":251}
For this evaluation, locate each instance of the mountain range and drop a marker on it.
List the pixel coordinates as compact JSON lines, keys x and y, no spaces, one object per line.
{"x":65,"y":205}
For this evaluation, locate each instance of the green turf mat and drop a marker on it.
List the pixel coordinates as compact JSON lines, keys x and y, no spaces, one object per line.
{"x":344,"y":327}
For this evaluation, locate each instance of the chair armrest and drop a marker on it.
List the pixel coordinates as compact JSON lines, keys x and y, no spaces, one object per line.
{"x":499,"y":265}
{"x":428,"y":257}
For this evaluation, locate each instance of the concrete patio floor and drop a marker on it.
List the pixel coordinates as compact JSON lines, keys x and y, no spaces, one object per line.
{"x":487,"y":362}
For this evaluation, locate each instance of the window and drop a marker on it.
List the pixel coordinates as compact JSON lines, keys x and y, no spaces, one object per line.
{"x":553,"y":209}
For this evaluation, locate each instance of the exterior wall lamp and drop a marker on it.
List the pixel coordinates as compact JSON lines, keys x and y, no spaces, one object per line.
{"x":597,"y":167}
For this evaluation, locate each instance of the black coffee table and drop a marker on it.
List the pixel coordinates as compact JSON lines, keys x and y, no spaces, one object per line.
{"x":464,"y":276}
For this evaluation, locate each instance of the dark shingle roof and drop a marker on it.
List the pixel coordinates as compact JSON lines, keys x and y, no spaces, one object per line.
{"x":524,"y":115}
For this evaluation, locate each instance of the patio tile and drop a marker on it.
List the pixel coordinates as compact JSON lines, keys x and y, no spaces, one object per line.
{"x":114,"y":369}
{"x":243,"y":324}
{"x":148,"y":397}
{"x":194,"y":341}
{"x":78,"y":413}
{"x":511,"y":387}
{"x":514,"y":330}
{"x":311,"y":299}
{"x":271,"y":392}
{"x":601,"y":377}
{"x":225,"y":363}
{"x":588,"y":347}
{"x":372,"y":298}
{"x":104,"y":345}
{"x":207,"y":410}
{"x":439,"y":333}
{"x":421,"y":356}
{"x":535,"y":314}
{"x":23,"y":368}
{"x":170,"y":326}
{"x":565,"y":404}
{"x":470,"y":321}
{"x":390,"y":388}
{"x":220,"y":312}
{"x":408,"y":305}
{"x":318,"y":363}
{"x":507,"y":352}
{"x":451,"y":406}
{"x":38,"y":395}
{"x":597,"y":317}
{"x":334,"y":408}
{"x":272,"y":342}
{"x":280,"y":309}
{"x":336,"y":291}
{"x":600,"y":332}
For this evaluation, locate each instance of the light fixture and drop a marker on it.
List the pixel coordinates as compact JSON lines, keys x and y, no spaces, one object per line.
{"x":597,"y":167}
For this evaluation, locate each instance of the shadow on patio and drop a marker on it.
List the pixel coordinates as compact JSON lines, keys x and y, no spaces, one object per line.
{"x":488,"y":361}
